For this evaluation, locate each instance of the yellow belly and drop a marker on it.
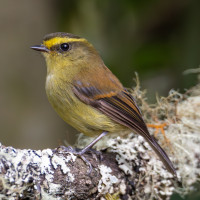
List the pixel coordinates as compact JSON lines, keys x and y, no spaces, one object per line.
{"x":82,"y":117}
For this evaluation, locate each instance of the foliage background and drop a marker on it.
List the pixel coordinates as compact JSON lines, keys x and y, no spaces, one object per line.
{"x":158,"y":39}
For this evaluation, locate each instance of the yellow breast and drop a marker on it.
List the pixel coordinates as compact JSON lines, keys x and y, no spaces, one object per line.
{"x":82,"y":117}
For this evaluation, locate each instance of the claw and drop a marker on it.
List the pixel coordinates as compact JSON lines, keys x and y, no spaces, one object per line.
{"x":78,"y":153}
{"x":82,"y":151}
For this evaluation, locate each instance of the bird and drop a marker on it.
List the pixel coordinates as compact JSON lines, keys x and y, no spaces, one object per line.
{"x":87,"y":95}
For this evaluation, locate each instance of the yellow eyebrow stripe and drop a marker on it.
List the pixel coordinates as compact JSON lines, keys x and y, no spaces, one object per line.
{"x":59,"y":40}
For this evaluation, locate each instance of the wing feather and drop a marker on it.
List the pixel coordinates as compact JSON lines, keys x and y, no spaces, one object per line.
{"x":115,"y":102}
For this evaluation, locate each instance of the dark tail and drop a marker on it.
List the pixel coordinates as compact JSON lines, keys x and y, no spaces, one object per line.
{"x":160,"y":152}
{"x":123,"y":109}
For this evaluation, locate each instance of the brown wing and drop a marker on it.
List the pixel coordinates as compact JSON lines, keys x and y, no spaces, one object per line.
{"x":114,"y":101}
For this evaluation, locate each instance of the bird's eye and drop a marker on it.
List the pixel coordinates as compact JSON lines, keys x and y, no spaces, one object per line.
{"x":64,"y":46}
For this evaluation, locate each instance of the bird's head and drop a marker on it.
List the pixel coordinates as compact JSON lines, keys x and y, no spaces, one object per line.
{"x":62,"y":50}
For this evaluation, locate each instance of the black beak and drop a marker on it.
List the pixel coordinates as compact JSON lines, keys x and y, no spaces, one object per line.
{"x":41,"y":48}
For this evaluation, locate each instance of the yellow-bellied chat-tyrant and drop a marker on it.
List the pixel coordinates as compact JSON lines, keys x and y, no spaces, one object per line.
{"x":86,"y":94}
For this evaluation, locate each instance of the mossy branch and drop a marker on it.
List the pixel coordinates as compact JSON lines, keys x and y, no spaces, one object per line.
{"x":127,"y":168}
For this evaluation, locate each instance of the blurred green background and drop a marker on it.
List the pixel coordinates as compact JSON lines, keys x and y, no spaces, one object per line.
{"x":158,"y":39}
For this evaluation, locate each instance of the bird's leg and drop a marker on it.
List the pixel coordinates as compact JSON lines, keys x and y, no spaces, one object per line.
{"x":88,"y":147}
{"x":82,"y":151}
{"x":92,"y":143}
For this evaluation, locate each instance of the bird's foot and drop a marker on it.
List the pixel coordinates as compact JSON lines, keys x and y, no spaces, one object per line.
{"x":79,"y":153}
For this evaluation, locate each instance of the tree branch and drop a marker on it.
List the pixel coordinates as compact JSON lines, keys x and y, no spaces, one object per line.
{"x":127,"y":168}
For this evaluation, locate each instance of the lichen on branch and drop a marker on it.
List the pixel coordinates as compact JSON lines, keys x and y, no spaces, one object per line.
{"x":126,"y":168}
